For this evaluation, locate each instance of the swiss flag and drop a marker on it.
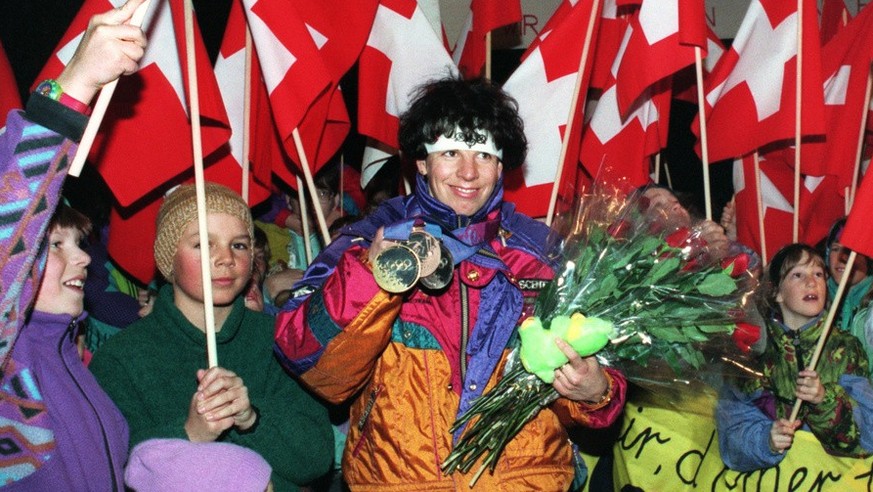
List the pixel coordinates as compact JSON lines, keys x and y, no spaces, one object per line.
{"x":264,"y":145}
{"x":402,"y":53}
{"x":750,"y":94}
{"x":777,"y":183}
{"x":304,"y":49}
{"x":846,"y":65}
{"x":822,"y":203}
{"x":662,"y":41}
{"x":145,"y":138}
{"x":619,"y":148}
{"x":858,"y":235}
{"x":612,"y":25}
{"x":484,"y":17}
{"x":834,"y":17}
{"x":685,"y":81}
{"x":543,"y":85}
{"x":133,"y":229}
{"x":9,"y":99}
{"x":616,"y":144}
{"x":132,"y":238}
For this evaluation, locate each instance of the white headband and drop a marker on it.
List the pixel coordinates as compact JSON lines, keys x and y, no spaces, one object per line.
{"x":455,"y":143}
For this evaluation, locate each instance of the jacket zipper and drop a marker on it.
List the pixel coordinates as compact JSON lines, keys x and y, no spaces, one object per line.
{"x":465,"y":322}
{"x":465,"y":328}
{"x":71,"y":329}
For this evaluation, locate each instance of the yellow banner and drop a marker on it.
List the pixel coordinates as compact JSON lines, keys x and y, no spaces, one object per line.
{"x":672,"y":445}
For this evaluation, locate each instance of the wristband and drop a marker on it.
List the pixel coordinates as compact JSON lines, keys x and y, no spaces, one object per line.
{"x":51,"y":89}
{"x":606,"y":398}
{"x":74,"y":104}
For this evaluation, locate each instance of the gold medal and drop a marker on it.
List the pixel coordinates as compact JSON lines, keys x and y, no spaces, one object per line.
{"x":396,"y":268}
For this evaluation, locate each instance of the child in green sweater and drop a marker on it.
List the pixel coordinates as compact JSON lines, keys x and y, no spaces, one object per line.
{"x":154,"y":370}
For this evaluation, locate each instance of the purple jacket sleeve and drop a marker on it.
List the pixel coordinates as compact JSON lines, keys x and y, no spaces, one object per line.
{"x":35,"y":148}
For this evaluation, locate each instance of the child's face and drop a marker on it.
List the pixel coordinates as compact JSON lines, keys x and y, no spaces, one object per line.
{"x":230,"y":257}
{"x":837,"y":259}
{"x":802,"y":292}
{"x":62,"y":287}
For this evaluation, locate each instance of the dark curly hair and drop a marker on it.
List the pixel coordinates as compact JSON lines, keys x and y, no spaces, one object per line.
{"x":440,"y":106}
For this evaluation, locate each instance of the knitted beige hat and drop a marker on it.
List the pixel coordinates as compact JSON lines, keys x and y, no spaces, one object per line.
{"x":180,"y":208}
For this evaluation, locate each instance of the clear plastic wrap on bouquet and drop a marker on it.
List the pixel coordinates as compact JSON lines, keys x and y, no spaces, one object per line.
{"x":674,"y":306}
{"x":674,"y":302}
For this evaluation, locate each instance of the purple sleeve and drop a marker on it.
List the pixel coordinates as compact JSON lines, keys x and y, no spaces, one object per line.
{"x":33,"y":165}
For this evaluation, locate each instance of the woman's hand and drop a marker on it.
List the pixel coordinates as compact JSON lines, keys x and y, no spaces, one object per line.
{"x":221,"y":402}
{"x":580,"y":379}
{"x":809,"y":387}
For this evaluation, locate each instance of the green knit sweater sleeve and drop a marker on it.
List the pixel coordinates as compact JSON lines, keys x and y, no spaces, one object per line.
{"x":293,"y":432}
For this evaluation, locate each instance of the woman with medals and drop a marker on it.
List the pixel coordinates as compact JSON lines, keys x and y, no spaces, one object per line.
{"x":409,"y":315}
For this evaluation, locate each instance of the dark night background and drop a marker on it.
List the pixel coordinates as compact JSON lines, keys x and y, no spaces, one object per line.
{"x":30,"y":30}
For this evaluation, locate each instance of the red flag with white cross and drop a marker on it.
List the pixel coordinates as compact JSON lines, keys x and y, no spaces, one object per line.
{"x":402,"y":52}
{"x":145,"y":139}
{"x":484,"y":17}
{"x":543,"y":85}
{"x":750,"y":95}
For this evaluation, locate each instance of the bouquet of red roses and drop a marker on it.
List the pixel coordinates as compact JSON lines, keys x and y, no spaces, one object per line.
{"x":629,"y":287}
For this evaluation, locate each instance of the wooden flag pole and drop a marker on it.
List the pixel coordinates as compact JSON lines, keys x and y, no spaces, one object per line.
{"x":304,"y":220}
{"x":574,"y":101}
{"x":200,"y":185}
{"x":668,"y":175}
{"x":835,"y":306}
{"x":310,"y":184}
{"x":857,"y":169}
{"x":760,"y":200}
{"x":704,"y":145}
{"x":658,"y":167}
{"x":101,"y":105}
{"x":342,"y":181}
{"x":488,"y":55}
{"x":798,"y":87}
{"x":247,"y":116}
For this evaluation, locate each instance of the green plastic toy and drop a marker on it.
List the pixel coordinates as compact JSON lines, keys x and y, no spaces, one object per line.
{"x":540,"y":354}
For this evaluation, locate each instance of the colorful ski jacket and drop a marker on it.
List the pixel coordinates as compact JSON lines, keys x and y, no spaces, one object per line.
{"x":68,"y":434}
{"x":416,"y":361}
{"x":60,"y":430}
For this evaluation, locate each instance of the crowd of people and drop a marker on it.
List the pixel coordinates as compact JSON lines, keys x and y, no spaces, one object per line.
{"x":328,"y":378}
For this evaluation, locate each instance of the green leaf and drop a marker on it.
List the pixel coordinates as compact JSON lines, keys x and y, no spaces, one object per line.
{"x":691,"y":355}
{"x":724,"y":328}
{"x":663,"y":268}
{"x":717,"y":284}
{"x":668,"y":334}
{"x":650,"y":245}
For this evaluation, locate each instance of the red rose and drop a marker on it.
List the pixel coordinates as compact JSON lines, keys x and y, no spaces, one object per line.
{"x":738,"y":264}
{"x":691,"y":266}
{"x":644,"y":203}
{"x":619,"y":230}
{"x":678,"y":238}
{"x":745,"y":335}
{"x":656,"y":227}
